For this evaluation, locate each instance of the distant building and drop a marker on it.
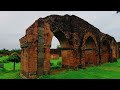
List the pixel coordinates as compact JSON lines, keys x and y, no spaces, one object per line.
{"x":55,"y":53}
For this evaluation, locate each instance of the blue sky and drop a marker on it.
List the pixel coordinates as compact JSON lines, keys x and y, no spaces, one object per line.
{"x":13,"y":24}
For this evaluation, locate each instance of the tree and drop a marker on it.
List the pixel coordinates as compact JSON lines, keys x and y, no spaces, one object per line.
{"x":15,"y":58}
{"x":16,"y":50}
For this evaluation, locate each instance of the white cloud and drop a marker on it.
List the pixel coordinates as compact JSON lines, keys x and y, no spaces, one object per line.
{"x":54,"y":43}
{"x":13,"y":24}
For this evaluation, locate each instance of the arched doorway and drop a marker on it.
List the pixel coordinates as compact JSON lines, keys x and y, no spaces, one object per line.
{"x":65,"y":47}
{"x":105,"y":51}
{"x":55,"y":53}
{"x":89,"y":51}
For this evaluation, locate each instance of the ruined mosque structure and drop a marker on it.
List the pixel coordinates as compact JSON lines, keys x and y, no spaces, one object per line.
{"x":82,"y":45}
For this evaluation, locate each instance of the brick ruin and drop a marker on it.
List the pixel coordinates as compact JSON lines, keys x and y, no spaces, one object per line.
{"x":55,"y":53}
{"x":118,"y":51}
{"x":82,"y":45}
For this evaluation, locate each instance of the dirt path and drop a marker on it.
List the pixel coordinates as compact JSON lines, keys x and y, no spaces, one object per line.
{"x":56,"y":71}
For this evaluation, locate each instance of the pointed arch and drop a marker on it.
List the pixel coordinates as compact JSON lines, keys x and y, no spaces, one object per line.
{"x":90,"y":49}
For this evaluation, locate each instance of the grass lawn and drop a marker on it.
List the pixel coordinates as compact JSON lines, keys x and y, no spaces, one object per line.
{"x":8,"y":73}
{"x":4,"y":59}
{"x":105,"y":71}
{"x":56,"y":63}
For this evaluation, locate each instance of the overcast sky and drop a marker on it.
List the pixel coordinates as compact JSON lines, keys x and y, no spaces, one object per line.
{"x":13,"y":24}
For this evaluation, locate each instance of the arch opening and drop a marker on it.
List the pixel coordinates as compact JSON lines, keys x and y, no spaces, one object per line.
{"x":55,"y":54}
{"x":90,"y":44}
{"x":90,"y":52}
{"x":64,"y":47}
{"x":62,"y":39}
{"x":63,"y":52}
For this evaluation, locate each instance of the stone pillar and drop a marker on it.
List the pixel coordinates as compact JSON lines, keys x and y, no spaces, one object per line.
{"x":40,"y":62}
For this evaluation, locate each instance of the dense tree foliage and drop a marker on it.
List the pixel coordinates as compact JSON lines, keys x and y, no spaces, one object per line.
{"x":4,"y":52}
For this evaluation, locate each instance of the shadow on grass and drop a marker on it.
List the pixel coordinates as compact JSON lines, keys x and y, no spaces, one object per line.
{"x":9,"y":74}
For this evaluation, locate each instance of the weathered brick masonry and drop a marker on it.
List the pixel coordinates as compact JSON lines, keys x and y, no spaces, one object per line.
{"x":81,"y":45}
{"x":55,"y":53}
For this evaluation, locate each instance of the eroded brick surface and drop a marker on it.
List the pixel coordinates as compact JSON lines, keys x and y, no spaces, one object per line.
{"x":55,"y":53}
{"x":118,"y":51}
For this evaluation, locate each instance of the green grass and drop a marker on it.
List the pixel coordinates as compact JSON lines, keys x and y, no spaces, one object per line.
{"x":56,"y":63}
{"x":105,"y":71}
{"x":8,"y":73}
{"x":4,"y":59}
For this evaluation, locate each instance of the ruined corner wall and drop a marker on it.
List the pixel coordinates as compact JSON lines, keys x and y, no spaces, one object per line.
{"x":29,"y":53}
